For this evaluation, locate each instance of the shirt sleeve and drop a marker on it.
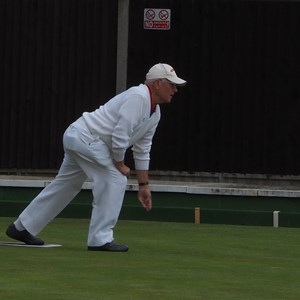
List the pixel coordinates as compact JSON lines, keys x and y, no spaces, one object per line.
{"x":141,"y":151}
{"x":141,"y":148}
{"x":129,"y":116}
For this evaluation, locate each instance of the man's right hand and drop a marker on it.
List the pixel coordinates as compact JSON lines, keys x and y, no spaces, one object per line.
{"x":122,"y":168}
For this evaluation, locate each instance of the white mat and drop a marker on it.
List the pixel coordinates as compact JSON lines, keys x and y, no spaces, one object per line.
{"x":20,"y":244}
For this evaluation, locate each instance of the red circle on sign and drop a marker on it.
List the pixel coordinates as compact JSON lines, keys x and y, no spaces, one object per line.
{"x":150,"y":14}
{"x":163,"y":14}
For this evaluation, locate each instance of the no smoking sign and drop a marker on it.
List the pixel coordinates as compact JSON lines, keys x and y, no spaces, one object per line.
{"x":157,"y":18}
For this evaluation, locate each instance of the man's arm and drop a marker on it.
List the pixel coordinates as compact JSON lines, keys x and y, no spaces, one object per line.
{"x":144,"y":193}
{"x":120,"y":165}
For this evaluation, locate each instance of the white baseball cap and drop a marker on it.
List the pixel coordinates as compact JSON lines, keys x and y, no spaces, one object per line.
{"x":161,"y":71}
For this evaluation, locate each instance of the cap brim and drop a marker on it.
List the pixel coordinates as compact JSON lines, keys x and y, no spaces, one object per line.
{"x":178,"y":81}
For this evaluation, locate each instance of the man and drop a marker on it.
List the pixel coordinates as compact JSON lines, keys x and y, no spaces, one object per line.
{"x":95,"y":147}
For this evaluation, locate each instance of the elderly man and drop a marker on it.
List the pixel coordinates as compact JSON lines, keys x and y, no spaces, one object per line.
{"x":95,"y":147}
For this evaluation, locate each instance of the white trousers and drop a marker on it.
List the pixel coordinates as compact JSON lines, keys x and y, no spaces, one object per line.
{"x":85,"y":157}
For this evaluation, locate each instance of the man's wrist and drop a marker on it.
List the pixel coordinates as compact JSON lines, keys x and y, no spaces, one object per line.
{"x":118,"y":163}
{"x":143,"y":183}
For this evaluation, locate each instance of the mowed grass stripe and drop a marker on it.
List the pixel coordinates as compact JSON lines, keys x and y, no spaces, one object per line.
{"x":165,"y":261}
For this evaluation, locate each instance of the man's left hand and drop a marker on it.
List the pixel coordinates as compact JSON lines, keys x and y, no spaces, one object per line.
{"x":145,"y":197}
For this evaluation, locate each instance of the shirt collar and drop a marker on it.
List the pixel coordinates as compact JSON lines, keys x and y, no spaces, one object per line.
{"x":152,"y":106}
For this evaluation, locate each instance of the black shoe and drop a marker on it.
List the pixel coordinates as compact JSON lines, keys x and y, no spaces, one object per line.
{"x":112,"y":246}
{"x":23,"y":236}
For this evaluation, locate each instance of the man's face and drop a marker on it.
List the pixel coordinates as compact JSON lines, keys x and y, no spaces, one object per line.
{"x":165,"y":91}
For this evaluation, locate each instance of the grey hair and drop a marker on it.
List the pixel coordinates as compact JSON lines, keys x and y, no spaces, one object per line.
{"x":150,"y":81}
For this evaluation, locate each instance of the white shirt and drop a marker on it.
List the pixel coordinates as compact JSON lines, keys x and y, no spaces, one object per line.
{"x":125,"y":121}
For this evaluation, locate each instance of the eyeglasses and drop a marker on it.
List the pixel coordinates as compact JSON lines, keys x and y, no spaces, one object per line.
{"x":172,"y":84}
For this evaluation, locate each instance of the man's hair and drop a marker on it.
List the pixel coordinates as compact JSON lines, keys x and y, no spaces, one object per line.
{"x":150,"y":81}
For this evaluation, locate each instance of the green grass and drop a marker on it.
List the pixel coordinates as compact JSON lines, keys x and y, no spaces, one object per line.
{"x":165,"y":261}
